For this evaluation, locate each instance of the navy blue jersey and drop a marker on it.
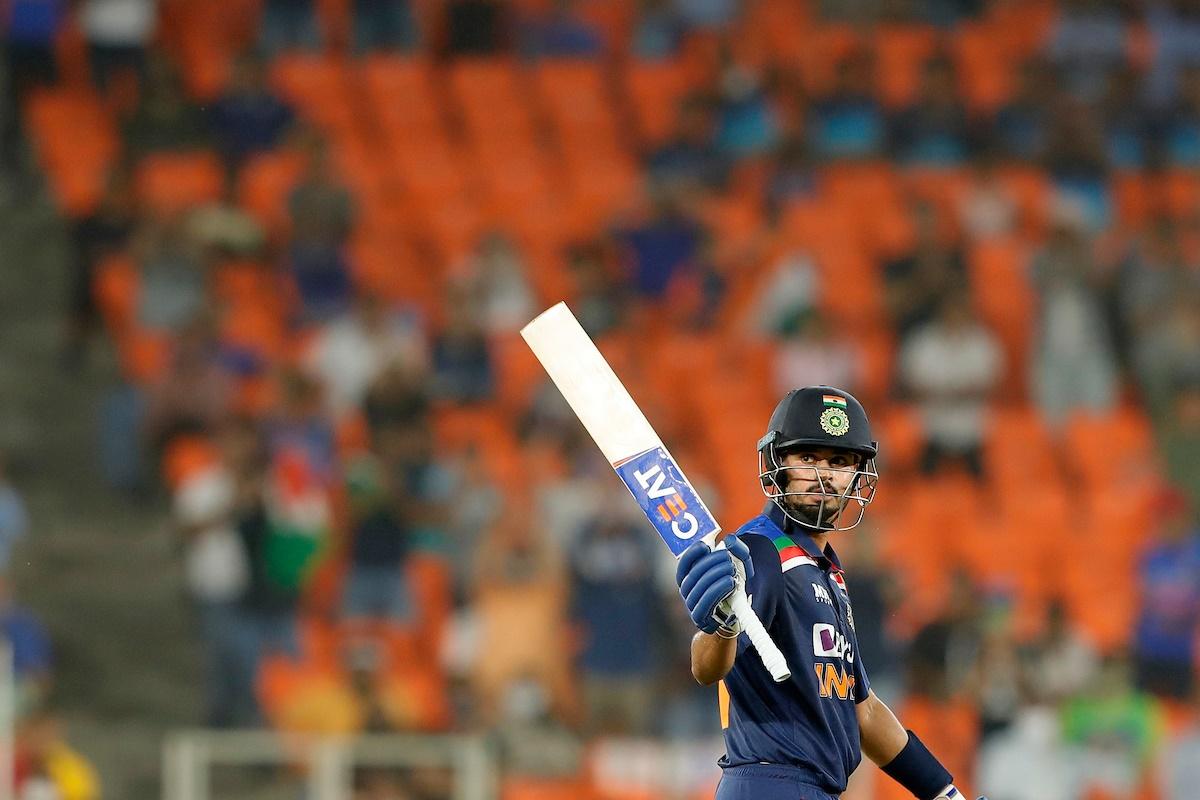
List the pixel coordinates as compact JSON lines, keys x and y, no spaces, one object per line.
{"x":807,"y":722}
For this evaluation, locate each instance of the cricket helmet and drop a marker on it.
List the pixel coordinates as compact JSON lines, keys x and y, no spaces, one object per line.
{"x":819,"y":416}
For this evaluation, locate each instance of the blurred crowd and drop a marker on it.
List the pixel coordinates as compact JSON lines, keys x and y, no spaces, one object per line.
{"x":982,"y":218}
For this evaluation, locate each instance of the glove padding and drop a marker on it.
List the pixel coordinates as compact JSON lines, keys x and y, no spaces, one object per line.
{"x":707,"y":578}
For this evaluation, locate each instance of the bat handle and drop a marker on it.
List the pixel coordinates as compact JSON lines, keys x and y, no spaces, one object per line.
{"x":772,"y":659}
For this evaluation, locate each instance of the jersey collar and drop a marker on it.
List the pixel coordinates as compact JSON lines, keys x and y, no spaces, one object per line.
{"x":826,"y":559}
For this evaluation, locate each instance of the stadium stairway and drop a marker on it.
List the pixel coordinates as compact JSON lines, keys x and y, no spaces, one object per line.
{"x":100,"y":569}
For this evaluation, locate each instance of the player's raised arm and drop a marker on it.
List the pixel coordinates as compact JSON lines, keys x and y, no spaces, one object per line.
{"x":707,"y":579}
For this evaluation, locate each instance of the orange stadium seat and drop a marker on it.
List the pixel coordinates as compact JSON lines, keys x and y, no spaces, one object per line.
{"x":1114,"y":449}
{"x":821,"y":51}
{"x":174,"y":182}
{"x":264,"y":184}
{"x":1031,"y":188}
{"x":901,"y":52}
{"x":115,"y":287}
{"x":901,"y":436}
{"x":984,"y":67}
{"x":1135,"y":198}
{"x":654,"y":91}
{"x":1019,"y":451}
{"x":576,"y":100}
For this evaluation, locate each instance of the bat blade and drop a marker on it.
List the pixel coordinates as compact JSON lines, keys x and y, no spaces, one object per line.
{"x":620,"y":429}
{"x":625,"y":436}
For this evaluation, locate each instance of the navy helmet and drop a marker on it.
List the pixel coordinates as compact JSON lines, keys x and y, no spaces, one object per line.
{"x":819,"y":417}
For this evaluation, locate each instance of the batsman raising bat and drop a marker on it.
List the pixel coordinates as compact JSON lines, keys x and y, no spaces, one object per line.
{"x":800,"y":739}
{"x":798,"y":714}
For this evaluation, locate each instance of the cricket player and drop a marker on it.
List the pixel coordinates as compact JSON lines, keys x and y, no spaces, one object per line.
{"x":802,"y":738}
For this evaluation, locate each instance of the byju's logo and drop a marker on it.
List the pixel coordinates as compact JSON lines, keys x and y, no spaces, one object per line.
{"x":828,"y":641}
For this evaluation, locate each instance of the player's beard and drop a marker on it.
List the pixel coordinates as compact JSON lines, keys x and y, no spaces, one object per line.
{"x":820,"y":514}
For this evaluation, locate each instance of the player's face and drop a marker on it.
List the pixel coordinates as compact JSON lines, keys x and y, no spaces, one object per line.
{"x":821,"y":476}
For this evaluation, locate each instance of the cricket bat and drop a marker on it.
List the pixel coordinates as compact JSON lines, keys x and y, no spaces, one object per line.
{"x":625,"y":436}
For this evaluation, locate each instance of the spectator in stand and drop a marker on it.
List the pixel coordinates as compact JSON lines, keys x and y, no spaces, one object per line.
{"x":877,"y":596}
{"x":376,"y":594}
{"x":691,"y":156}
{"x":194,"y":394}
{"x":427,"y":480}
{"x":944,"y":651}
{"x":118,"y":33}
{"x":249,"y":117}
{"x":519,"y":575}
{"x":601,"y":299}
{"x":28,"y":31}
{"x":788,"y":291}
{"x":659,"y":30}
{"x":477,"y":27}
{"x":32,"y":656}
{"x":1161,"y":300}
{"x":299,"y":434}
{"x":935,"y":129}
{"x":915,"y":283}
{"x":462,"y":362}
{"x":323,"y":213}
{"x":473,"y":499}
{"x":1087,"y":43}
{"x":494,"y":280}
{"x":165,"y":119}
{"x":400,"y":394}
{"x":809,"y":354}
{"x":1073,"y":362}
{"x":1114,"y":732}
{"x":746,"y":123}
{"x":663,"y":245}
{"x":1126,"y":120}
{"x":849,"y":122}
{"x":560,"y":31}
{"x":353,"y":350}
{"x":1179,"y":126}
{"x":998,"y":684}
{"x":289,"y":25}
{"x":1179,"y":434}
{"x":46,"y":767}
{"x":1063,"y":660}
{"x":94,"y":237}
{"x":615,"y":604}
{"x":172,"y":291}
{"x":709,"y":15}
{"x":568,"y":500}
{"x":987,"y":209}
{"x":1021,"y":127}
{"x":384,"y":25}
{"x":1164,"y":644}
{"x":14,"y":519}
{"x":1174,"y":28}
{"x":951,"y":367}
{"x":207,"y":506}
{"x":1077,"y":163}
{"x":793,"y":176}
{"x":1181,"y":773}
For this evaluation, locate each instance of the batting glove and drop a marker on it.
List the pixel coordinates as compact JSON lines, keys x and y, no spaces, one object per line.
{"x":707,"y":578}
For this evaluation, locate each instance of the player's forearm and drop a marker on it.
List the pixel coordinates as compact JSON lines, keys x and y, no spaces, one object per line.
{"x":882,"y":736}
{"x":712,"y":657}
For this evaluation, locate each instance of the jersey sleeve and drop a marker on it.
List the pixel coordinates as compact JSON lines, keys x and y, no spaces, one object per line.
{"x":766,"y":585}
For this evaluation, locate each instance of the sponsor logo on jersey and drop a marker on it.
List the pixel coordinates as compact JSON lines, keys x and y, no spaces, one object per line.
{"x":833,"y":680}
{"x":828,"y":641}
{"x":822,"y":594}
